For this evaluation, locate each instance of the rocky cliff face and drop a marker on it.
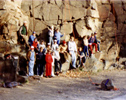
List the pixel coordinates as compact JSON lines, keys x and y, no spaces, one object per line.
{"x":81,"y":17}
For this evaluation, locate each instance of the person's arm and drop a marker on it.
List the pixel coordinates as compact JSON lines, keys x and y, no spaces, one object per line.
{"x":61,"y":35}
{"x":20,"y":30}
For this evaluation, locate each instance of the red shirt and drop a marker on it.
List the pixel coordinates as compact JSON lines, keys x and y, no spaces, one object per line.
{"x":35,"y":44}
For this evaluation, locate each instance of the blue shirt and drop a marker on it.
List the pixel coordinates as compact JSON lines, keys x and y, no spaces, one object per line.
{"x":31,"y":39}
{"x":32,"y":57}
{"x":92,"y":40}
{"x":58,"y":35}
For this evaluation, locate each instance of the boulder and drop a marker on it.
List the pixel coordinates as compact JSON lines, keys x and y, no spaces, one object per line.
{"x":93,"y":13}
{"x":118,"y":8}
{"x":105,"y":1}
{"x":51,"y":12}
{"x":26,"y":5}
{"x":104,"y":11}
{"x":2,"y":4}
{"x":67,"y":28}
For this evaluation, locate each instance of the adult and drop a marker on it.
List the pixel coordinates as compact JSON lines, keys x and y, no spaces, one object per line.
{"x":50,"y":34}
{"x":57,"y":61}
{"x":31,"y":57}
{"x":23,"y":32}
{"x":57,"y":36}
{"x":55,"y":45}
{"x":31,"y":38}
{"x":49,"y":60}
{"x":85,"y":43}
{"x":40,"y":62}
{"x":63,"y":52}
{"x":92,"y":43}
{"x":72,"y":50}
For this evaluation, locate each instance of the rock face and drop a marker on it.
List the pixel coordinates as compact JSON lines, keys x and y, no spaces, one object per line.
{"x":81,"y":17}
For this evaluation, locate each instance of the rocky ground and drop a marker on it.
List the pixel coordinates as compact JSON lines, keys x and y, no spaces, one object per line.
{"x":67,"y":88}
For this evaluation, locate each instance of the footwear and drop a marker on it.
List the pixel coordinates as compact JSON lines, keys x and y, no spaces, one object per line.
{"x":78,"y":65}
{"x":67,"y":61}
{"x":41,"y":76}
{"x":83,"y":64}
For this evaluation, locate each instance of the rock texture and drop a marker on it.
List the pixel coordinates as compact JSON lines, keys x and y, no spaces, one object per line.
{"x":81,"y":17}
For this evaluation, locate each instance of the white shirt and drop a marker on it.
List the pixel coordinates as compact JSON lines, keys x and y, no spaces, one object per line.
{"x":50,"y":33}
{"x":54,"y":46}
{"x":42,"y":45}
{"x":85,"y":42}
{"x":72,"y":46}
{"x":57,"y":56}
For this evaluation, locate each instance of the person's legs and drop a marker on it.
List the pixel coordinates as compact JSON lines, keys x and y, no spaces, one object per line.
{"x":84,"y":50}
{"x":60,"y":65}
{"x":31,"y":67}
{"x":90,"y":46}
{"x":58,"y":42}
{"x":38,"y":68}
{"x":98,"y":46}
{"x":56,"y":65}
{"x":73,"y":59}
{"x":94,"y":44}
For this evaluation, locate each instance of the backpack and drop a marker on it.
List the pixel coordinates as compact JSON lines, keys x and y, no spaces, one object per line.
{"x":107,"y":84}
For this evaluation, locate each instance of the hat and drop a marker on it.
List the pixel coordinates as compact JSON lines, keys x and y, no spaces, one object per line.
{"x":49,"y":43}
{"x":64,"y":42}
{"x":32,"y":47}
{"x":34,"y":32}
{"x":55,"y":40}
{"x":25,"y":22}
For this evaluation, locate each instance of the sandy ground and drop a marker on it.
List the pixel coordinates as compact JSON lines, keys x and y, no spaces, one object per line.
{"x":65,"y":88}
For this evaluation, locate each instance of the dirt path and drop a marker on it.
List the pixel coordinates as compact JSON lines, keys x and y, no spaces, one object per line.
{"x":64,"y":88}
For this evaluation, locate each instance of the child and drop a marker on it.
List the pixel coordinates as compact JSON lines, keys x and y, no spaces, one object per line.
{"x":53,"y":57}
{"x":81,"y":57}
{"x":49,"y":60}
{"x":57,"y":61}
{"x":35,"y":44}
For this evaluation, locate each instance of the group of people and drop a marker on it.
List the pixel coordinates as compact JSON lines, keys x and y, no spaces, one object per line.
{"x":54,"y":53}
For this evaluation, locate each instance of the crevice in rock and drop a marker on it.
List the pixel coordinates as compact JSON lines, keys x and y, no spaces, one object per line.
{"x":123,"y":6}
{"x":115,"y":14}
{"x":103,"y":23}
{"x":38,"y":19}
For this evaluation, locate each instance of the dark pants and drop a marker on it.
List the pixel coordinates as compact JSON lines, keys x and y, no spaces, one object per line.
{"x":86,"y":50}
{"x":40,"y":68}
{"x":81,"y":60}
{"x":56,"y":65}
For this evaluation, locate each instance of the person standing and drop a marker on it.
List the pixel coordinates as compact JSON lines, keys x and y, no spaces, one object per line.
{"x":40,"y":62}
{"x":50,"y":35}
{"x":49,"y":60}
{"x":57,"y":61}
{"x":72,"y":50}
{"x":57,"y":36}
{"x":85,"y":42}
{"x":53,"y":57}
{"x":32,"y":38}
{"x":23,"y":32}
{"x":31,"y":57}
{"x":55,"y":45}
